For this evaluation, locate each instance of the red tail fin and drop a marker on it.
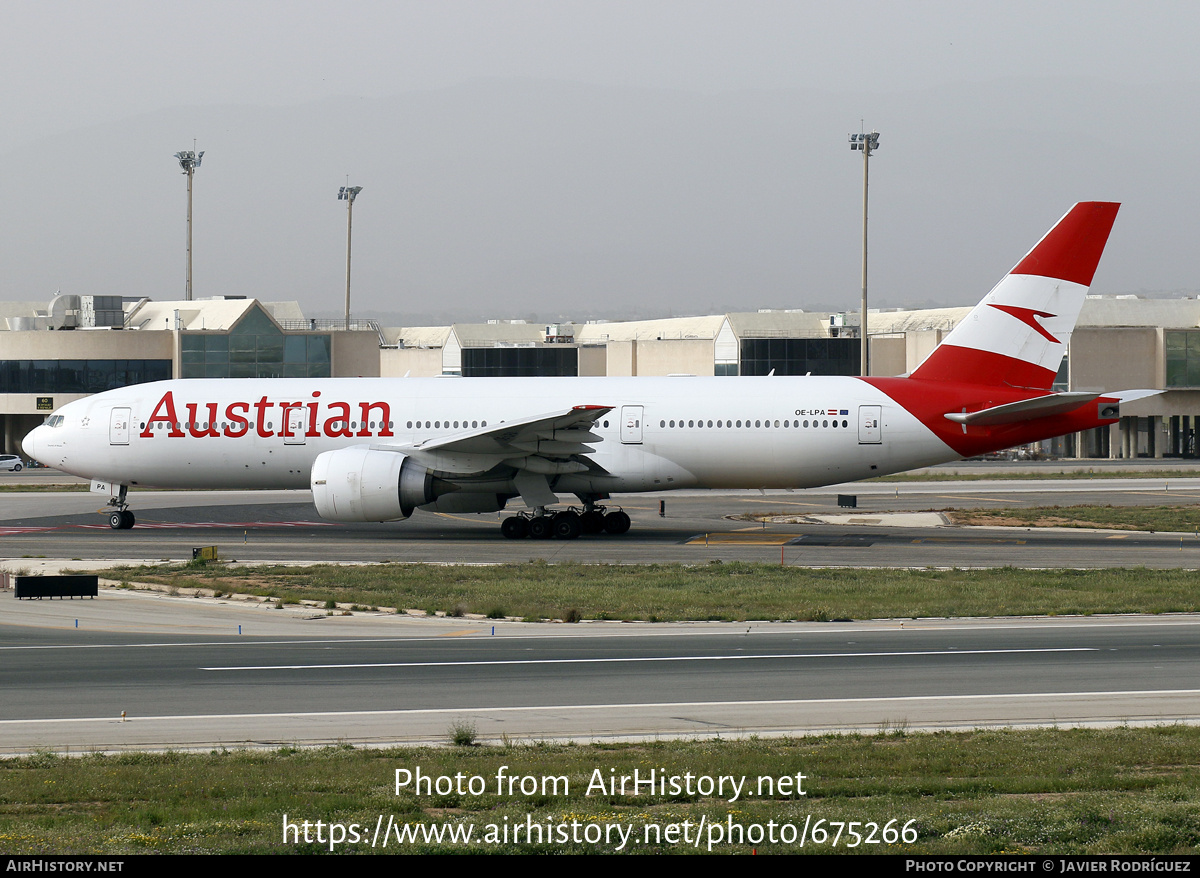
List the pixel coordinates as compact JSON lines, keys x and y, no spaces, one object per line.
{"x":1017,"y":335}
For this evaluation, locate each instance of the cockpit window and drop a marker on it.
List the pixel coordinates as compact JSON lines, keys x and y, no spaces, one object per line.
{"x":55,"y":421}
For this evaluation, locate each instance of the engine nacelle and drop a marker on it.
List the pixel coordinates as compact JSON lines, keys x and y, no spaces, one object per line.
{"x":464,"y":502}
{"x":358,"y":484}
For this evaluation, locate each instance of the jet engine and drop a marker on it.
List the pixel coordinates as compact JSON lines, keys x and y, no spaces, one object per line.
{"x":468,"y":502}
{"x":359,"y":484}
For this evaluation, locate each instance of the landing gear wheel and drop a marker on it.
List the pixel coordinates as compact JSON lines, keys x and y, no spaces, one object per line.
{"x":592,"y":522}
{"x":541,"y":527}
{"x":116,"y":520}
{"x":128,"y":519}
{"x":616,"y":523}
{"x":567,"y":526}
{"x":515,"y":528}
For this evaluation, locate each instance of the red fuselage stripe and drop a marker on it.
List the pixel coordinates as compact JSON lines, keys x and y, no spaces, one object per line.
{"x":930,"y":401}
{"x":969,"y":366}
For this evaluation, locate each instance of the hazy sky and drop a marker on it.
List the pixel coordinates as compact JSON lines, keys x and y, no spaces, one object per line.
{"x":70,"y":63}
{"x":68,"y":68}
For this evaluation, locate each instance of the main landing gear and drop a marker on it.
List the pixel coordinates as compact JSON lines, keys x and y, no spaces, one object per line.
{"x":542,"y":524}
{"x":120,"y":518}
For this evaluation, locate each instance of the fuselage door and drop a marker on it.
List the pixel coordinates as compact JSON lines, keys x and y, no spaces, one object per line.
{"x":118,"y":427}
{"x":870,"y":425}
{"x":631,"y":424}
{"x":295,"y":427}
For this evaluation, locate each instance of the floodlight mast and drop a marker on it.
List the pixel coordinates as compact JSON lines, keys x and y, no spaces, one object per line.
{"x":189,"y":160}
{"x":348,"y":194}
{"x":867,"y":143}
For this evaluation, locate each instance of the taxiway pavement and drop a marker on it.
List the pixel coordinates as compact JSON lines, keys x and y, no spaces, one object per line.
{"x":697,"y":526}
{"x":156,"y":672}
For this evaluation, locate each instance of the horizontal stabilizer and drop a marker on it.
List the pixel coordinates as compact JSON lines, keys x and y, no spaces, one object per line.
{"x":1025,"y":410}
{"x":1131,"y":395}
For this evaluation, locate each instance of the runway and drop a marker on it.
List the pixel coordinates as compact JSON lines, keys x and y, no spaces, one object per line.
{"x":698,"y":526}
{"x":186,"y":679}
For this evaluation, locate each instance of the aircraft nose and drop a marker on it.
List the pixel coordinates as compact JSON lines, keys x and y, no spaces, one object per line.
{"x":33,"y":443}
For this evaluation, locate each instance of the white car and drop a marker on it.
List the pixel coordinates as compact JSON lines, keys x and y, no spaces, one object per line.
{"x":10,"y":462}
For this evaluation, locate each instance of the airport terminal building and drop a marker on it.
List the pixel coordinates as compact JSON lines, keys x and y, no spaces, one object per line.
{"x":54,"y":353}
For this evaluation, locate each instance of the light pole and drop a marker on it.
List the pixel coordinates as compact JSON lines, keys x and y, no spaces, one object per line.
{"x":189,"y":160}
{"x":348,"y":194}
{"x":867,"y":143}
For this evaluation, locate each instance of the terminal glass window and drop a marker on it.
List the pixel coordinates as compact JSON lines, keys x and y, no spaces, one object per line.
{"x":1062,"y":380}
{"x":1183,"y":358}
{"x":255,"y":348}
{"x":78,"y":376}
{"x":519,"y":362}
{"x":800,"y":356}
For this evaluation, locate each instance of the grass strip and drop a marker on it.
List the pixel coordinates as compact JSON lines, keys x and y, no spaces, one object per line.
{"x":713,"y":592}
{"x":1004,"y":475}
{"x":1044,"y":791}
{"x":1166,"y":519}
{"x":1160,"y":519}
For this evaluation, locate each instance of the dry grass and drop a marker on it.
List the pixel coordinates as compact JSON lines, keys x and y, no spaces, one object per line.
{"x":1036,"y":791}
{"x":672,"y":592}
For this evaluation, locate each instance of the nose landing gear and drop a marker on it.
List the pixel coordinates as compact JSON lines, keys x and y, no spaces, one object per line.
{"x":120,"y":518}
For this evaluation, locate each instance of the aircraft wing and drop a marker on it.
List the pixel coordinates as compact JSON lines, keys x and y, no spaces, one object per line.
{"x":548,"y":444}
{"x":558,"y":434}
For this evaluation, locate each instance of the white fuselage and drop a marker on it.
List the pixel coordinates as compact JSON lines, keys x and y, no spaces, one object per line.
{"x":662,"y":433}
{"x":374,"y":449}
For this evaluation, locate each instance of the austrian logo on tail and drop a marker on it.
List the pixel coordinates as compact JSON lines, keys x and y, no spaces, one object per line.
{"x":1026,"y":316}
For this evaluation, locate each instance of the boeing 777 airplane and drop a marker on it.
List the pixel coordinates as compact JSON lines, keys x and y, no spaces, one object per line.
{"x":376,"y":449}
